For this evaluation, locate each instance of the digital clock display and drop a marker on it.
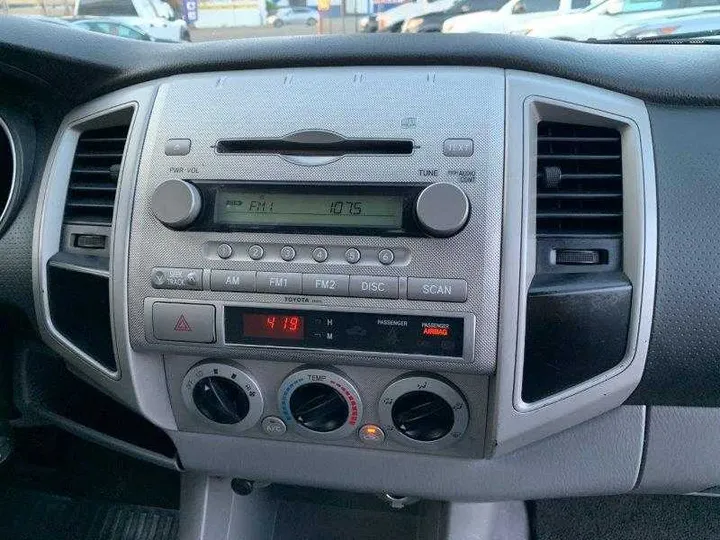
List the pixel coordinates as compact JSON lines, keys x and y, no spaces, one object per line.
{"x":273,"y":326}
{"x":282,"y":208}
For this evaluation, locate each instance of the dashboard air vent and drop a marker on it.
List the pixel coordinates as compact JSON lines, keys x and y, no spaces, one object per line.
{"x":94,"y":176}
{"x":579,"y":180}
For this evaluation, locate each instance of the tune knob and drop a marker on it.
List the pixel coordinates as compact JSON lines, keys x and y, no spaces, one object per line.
{"x":442,"y":209}
{"x":222,"y":395}
{"x":176,"y":203}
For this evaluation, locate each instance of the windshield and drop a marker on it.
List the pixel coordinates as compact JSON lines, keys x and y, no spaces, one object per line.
{"x":204,"y":20}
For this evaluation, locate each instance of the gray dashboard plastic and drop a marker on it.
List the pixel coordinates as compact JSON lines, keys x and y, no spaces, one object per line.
{"x":682,"y":446}
{"x":601,"y":456}
{"x":683,"y":365}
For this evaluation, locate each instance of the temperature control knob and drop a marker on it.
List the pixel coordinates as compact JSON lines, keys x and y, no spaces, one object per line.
{"x":223,"y":395}
{"x":442,"y":209}
{"x":320,"y":404}
{"x":176,"y":203}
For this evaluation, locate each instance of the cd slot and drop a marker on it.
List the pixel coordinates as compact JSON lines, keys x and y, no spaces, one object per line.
{"x":307,"y":146}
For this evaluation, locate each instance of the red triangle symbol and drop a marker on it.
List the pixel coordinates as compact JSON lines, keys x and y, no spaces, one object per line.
{"x":182,"y":325}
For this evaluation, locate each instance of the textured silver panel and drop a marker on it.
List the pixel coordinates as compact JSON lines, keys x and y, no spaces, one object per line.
{"x":443,"y":103}
{"x":370,"y":383}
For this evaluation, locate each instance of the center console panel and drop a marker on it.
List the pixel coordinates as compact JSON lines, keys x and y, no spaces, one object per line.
{"x":344,"y":265}
{"x":331,"y":278}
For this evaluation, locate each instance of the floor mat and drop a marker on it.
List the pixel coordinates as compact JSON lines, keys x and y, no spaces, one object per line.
{"x":31,"y":515}
{"x":627,"y":518}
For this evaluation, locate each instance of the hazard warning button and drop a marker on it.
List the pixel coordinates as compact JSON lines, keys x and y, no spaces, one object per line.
{"x":183,"y":322}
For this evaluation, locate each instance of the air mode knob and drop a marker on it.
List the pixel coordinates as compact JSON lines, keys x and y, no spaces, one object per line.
{"x":442,"y":209}
{"x":176,"y":203}
{"x":223,"y":396}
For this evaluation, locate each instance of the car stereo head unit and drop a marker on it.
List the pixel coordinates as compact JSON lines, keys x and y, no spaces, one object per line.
{"x":440,"y":209}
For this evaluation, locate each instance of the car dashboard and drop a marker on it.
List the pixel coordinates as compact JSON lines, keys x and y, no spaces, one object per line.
{"x":478,"y":272}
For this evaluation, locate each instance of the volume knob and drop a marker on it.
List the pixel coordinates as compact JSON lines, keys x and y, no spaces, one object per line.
{"x":176,"y":203}
{"x":442,"y":209}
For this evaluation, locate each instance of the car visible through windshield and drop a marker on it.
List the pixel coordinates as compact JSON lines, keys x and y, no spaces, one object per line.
{"x":193,"y":21}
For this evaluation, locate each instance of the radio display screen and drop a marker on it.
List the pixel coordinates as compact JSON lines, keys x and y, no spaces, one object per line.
{"x":281,"y":208}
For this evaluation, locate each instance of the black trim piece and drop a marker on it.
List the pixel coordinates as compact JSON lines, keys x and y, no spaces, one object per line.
{"x":577,"y":328}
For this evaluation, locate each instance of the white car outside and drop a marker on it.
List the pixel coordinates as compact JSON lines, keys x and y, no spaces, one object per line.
{"x":603,"y":21}
{"x":154,"y":17}
{"x":515,"y":14}
{"x":394,"y":17}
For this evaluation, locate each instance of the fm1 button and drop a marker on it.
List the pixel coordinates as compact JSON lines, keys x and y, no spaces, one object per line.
{"x":374,"y":287}
{"x":437,"y":290}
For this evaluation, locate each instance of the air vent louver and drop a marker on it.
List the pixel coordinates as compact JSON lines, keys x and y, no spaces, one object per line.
{"x":94,"y":176}
{"x":579,"y":180}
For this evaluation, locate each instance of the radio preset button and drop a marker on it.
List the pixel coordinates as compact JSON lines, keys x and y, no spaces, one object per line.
{"x":352,"y":255}
{"x":224,"y":251}
{"x":320,"y":254}
{"x":325,"y":284}
{"x":256,"y":252}
{"x":232,"y":281}
{"x":194,"y":323}
{"x":186,"y":279}
{"x":273,"y":282}
{"x":287,"y":253}
{"x":386,"y":256}
{"x":374,"y":287}
{"x":437,"y":290}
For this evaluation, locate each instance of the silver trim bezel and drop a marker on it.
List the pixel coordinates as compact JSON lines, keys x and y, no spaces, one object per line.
{"x":49,"y":220}
{"x":529,"y":98}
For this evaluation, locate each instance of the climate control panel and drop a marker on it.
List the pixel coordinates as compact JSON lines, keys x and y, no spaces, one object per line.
{"x":378,"y":408}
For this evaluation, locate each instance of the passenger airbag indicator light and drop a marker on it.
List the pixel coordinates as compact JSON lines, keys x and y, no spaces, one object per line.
{"x":435,"y":330}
